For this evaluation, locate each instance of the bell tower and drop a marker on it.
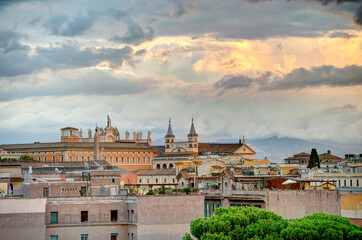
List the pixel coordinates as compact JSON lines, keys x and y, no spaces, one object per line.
{"x":192,"y":139}
{"x":169,"y":138}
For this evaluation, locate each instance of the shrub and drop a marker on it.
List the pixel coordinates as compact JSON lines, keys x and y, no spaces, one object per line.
{"x":256,"y":223}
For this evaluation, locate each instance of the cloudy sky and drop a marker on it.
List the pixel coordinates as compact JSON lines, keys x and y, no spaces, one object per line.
{"x":256,"y":67}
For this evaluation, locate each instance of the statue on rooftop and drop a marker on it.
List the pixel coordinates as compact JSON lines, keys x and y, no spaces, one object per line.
{"x":89,"y":133}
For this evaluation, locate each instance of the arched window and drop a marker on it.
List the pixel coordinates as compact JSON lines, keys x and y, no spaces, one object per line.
{"x":164,"y":166}
{"x":158,"y":166}
{"x":170,"y":166}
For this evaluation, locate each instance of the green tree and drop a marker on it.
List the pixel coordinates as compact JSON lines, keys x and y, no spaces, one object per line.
{"x":314,"y":159}
{"x":239,"y":223}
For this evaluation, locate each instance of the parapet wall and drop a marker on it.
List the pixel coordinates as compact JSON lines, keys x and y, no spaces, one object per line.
{"x":167,"y":217}
{"x":292,"y":204}
{"x":22,"y":218}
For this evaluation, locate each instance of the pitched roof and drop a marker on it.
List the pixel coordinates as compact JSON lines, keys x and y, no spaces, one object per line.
{"x":328,"y":156}
{"x":160,"y":149}
{"x":171,"y":171}
{"x":218,"y":147}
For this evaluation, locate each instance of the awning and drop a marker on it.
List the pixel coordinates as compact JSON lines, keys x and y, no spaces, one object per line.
{"x":288,"y":182}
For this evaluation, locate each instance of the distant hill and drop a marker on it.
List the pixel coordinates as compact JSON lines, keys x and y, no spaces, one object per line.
{"x":276,"y":149}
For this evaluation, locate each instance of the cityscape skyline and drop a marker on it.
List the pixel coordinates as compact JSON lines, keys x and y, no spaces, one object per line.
{"x":254,"y":68}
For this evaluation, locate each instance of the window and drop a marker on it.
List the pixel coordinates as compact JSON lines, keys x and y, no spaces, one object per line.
{"x":114,"y":215}
{"x":357,"y":183}
{"x":53,"y":158}
{"x":350,"y":182}
{"x":117,"y":159}
{"x":53,"y":237}
{"x":45,"y":158}
{"x":62,"y":158}
{"x":165,"y":180}
{"x":132,"y":236}
{"x":173,"y":180}
{"x":122,"y":159}
{"x":53,"y":217}
{"x":144,"y":159}
{"x":156,"y":180}
{"x":114,"y":236}
{"x":345,"y":183}
{"x":207,"y":209}
{"x":83,"y":191}
{"x":127,"y":159}
{"x":84,"y":216}
{"x":149,"y":159}
{"x":84,"y":236}
{"x":133,"y":159}
{"x":45,"y":192}
{"x":339,"y":183}
{"x":139,"y":160}
{"x":257,"y":205}
{"x":140,"y":181}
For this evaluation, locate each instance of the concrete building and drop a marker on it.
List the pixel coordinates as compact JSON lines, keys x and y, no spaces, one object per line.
{"x":103,"y":218}
{"x":156,"y":176}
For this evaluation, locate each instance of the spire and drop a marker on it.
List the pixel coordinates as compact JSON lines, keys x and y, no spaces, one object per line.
{"x":169,"y":131}
{"x":192,"y":129}
{"x":243,"y":139}
{"x":108,"y":122}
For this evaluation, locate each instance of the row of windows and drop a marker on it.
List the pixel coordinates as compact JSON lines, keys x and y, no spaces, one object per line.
{"x":85,"y":236}
{"x":111,"y":159}
{"x":83,"y":216}
{"x":82,"y":191}
{"x":157,"y":180}
{"x":343,"y":183}
{"x":164,"y":166}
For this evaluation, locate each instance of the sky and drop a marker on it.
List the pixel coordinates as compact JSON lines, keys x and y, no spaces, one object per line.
{"x":258,"y":68}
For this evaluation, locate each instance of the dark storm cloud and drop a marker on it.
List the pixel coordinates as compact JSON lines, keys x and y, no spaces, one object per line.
{"x":240,"y":81}
{"x":297,"y":79}
{"x":357,"y":18}
{"x":90,"y":82}
{"x":340,"y":34}
{"x":9,"y":41}
{"x":135,"y":35}
{"x":66,"y":56}
{"x":59,"y":24}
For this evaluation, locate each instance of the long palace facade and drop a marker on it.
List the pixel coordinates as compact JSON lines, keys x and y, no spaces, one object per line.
{"x":128,"y":154}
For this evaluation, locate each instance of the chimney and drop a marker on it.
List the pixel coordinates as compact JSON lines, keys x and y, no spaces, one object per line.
{"x":240,"y":141}
{"x":329,"y":151}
